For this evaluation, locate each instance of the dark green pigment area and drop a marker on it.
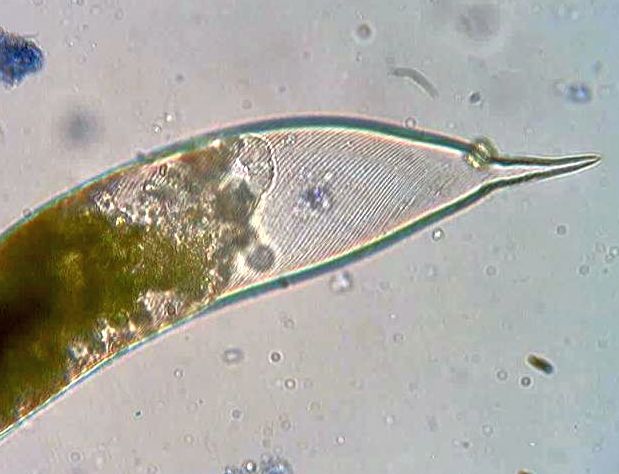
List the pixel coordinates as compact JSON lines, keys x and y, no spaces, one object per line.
{"x":63,"y":271}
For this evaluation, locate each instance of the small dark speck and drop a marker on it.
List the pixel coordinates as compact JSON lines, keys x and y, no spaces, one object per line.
{"x":541,"y":364}
{"x":475,"y":98}
{"x":19,"y":57}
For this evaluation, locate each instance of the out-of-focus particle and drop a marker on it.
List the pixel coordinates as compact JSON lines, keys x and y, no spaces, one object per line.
{"x":577,"y":92}
{"x":19,"y":57}
{"x":541,"y":364}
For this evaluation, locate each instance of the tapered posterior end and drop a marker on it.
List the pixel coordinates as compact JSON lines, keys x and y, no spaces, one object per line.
{"x":507,"y":169}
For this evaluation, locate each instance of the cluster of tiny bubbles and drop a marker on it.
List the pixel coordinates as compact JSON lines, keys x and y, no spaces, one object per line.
{"x":341,"y":282}
{"x":232,"y":356}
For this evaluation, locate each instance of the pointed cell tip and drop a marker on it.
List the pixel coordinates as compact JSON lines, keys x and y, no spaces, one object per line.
{"x":521,"y":168}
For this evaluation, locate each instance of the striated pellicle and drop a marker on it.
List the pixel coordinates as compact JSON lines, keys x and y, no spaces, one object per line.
{"x":152,"y":243}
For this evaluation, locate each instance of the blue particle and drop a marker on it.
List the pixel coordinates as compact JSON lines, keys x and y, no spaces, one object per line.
{"x":316,"y":198}
{"x":578,"y":92}
{"x":19,"y":57}
{"x":275,"y":465}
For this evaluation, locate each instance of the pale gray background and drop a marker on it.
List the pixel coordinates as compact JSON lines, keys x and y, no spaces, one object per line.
{"x":403,"y":371}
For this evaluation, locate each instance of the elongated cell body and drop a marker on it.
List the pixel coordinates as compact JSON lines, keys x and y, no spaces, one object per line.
{"x":109,"y":264}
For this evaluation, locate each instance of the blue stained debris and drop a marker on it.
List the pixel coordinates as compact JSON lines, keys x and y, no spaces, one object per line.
{"x":268,"y":465}
{"x":19,"y":57}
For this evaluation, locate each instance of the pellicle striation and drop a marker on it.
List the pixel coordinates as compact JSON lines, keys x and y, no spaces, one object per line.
{"x":152,"y":243}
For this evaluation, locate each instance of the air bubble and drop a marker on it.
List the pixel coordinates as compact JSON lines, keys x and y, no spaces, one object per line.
{"x":250,"y":466}
{"x":437,"y":234}
{"x":491,"y":270}
{"x":501,"y":374}
{"x":275,"y":357}
{"x":526,"y":381}
{"x":285,"y":424}
{"x":340,"y":440}
{"x":341,"y":282}
{"x":76,"y":457}
{"x":363,"y":32}
{"x":178,"y":373}
{"x":290,"y":384}
{"x":410,"y":122}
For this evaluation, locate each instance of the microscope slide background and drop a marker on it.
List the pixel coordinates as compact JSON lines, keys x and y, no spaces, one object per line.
{"x":411,"y":360}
